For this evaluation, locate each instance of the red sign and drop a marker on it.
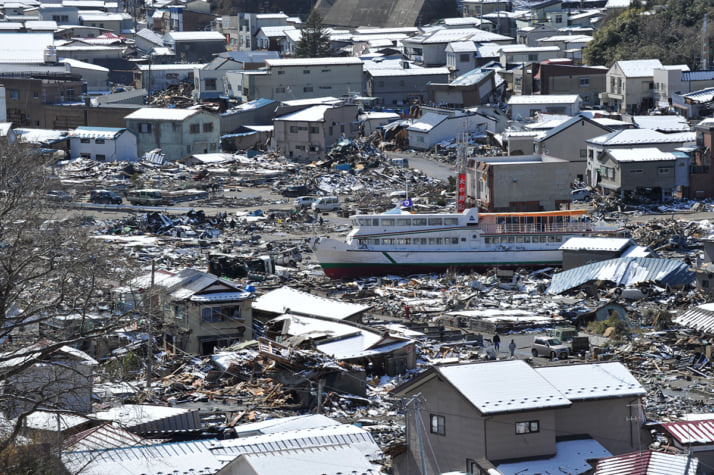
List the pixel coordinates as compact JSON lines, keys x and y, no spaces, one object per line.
{"x":461,"y":200}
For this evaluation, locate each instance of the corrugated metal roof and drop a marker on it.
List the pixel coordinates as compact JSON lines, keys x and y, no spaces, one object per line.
{"x":647,"y":463}
{"x":632,"y":137}
{"x":624,"y":271}
{"x":691,"y":432}
{"x":645,"y":154}
{"x":512,"y":386}
{"x":103,"y":437}
{"x":639,"y":67}
{"x":699,"y":318}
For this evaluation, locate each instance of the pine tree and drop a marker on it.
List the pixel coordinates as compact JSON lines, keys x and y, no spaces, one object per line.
{"x":314,"y":42}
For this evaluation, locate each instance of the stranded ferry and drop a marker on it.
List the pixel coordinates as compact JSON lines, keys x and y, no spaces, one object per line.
{"x":398,"y":242}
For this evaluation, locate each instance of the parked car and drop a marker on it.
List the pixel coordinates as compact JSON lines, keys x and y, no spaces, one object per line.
{"x":326,"y":203}
{"x":58,"y":195}
{"x":294,"y":190}
{"x":105,"y":197}
{"x":549,"y":347}
{"x":304,"y":201}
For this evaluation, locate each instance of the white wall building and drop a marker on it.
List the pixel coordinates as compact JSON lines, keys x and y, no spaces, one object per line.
{"x":104,"y":144}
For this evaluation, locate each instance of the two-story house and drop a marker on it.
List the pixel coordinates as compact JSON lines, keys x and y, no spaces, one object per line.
{"x":519,"y":54}
{"x":297,"y":78}
{"x":557,"y":78}
{"x":197,"y":311}
{"x":429,"y":49}
{"x":104,"y":144}
{"x":177,"y":132}
{"x":403,"y":86}
{"x":630,"y":140}
{"x":568,"y":142}
{"x":475,"y":416}
{"x":195,"y":46}
{"x":308,"y":134}
{"x":526,"y":106}
{"x":629,"y":86}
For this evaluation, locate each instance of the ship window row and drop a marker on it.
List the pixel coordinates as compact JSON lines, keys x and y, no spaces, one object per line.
{"x":410,"y":241}
{"x":408,"y":221}
{"x":522,"y":239}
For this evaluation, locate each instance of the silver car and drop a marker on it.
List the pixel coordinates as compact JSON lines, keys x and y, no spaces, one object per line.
{"x":549,"y":347}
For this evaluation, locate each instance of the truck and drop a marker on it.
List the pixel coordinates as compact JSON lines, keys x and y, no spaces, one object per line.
{"x":569,"y":335}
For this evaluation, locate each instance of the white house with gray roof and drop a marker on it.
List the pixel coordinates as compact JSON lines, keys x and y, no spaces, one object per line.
{"x":177,"y":132}
{"x":629,"y":86}
{"x":104,"y":144}
{"x":429,"y":48}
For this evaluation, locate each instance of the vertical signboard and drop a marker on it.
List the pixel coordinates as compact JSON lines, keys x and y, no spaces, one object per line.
{"x":461,"y":197}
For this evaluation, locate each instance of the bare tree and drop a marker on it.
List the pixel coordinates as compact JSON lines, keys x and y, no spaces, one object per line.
{"x":50,"y":266}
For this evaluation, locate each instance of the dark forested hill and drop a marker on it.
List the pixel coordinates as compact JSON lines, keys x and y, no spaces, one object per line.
{"x":668,"y":30}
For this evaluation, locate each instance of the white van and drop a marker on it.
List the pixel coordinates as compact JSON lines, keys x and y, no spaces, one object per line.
{"x":326,"y":203}
{"x":304,"y":201}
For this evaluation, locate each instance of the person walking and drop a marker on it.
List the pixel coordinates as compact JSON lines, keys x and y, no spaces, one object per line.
{"x":512,"y":347}
{"x":496,"y":343}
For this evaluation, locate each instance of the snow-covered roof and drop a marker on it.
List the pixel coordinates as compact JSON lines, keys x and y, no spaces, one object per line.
{"x":87,"y":132}
{"x":336,"y":61}
{"x":527,"y":49}
{"x":571,"y":457}
{"x":408,"y":72}
{"x":595,"y":244}
{"x":648,"y":463}
{"x":286,"y":299}
{"x":24,"y":47}
{"x":648,"y":154}
{"x":638,"y":67}
{"x":156,"y":113}
{"x":171,"y":67}
{"x":592,"y":381}
{"x":41,"y":25}
{"x":276,"y":31}
{"x":427,"y":122}
{"x":447,"y":35}
{"x":462,"y":46}
{"x":507,"y":386}
{"x":310,"y":114}
{"x":663,"y":123}
{"x":194,"y":36}
{"x":631,"y":137}
{"x":75,"y":63}
{"x":544,"y":99}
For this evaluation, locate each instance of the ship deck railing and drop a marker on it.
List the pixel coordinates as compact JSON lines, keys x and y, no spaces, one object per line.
{"x":541,"y":228}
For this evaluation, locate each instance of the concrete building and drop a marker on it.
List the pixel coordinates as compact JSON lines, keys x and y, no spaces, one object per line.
{"x":670,"y":80}
{"x":519,"y":54}
{"x":298,"y":78}
{"x":104,"y":144}
{"x":241,"y":29}
{"x":27,"y":96}
{"x":177,"y":132}
{"x":396,"y":87}
{"x":429,"y":49}
{"x":157,"y":77}
{"x":195,"y":46}
{"x":520,"y":183}
{"x":308,"y":134}
{"x":585,"y":81}
{"x":471,"y":89}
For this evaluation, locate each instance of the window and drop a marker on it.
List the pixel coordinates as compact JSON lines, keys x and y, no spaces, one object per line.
{"x":559,"y":18}
{"x":637,"y":171}
{"x":208,"y":127}
{"x":145,"y":128}
{"x":101,"y":157}
{"x":84,"y":140}
{"x":307,"y":89}
{"x":529,"y":427}
{"x":584,"y":82}
{"x":420,"y":138}
{"x":281,"y":71}
{"x":532,"y":57}
{"x":306,"y":71}
{"x":314,"y":148}
{"x":210,"y":84}
{"x":300,"y":147}
{"x":279,"y":89}
{"x":293,"y":129}
{"x":464,"y":57}
{"x":325,"y":87}
{"x":219,"y":314}
{"x":664,"y":170}
{"x":314,"y":130}
{"x":325,"y":70}
{"x":583,"y":153}
{"x":35,"y":94}
{"x":99,"y":141}
{"x":13,"y":94}
{"x":194,"y":128}
{"x":438,"y":425}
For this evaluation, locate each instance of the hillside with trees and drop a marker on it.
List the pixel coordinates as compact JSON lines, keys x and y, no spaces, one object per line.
{"x":670,"y":31}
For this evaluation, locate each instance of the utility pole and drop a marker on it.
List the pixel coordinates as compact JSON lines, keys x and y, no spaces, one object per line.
{"x":417,"y":419}
{"x":705,"y":45}
{"x":149,"y":350}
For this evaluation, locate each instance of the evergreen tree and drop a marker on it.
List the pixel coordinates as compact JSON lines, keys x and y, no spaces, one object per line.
{"x":314,"y":42}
